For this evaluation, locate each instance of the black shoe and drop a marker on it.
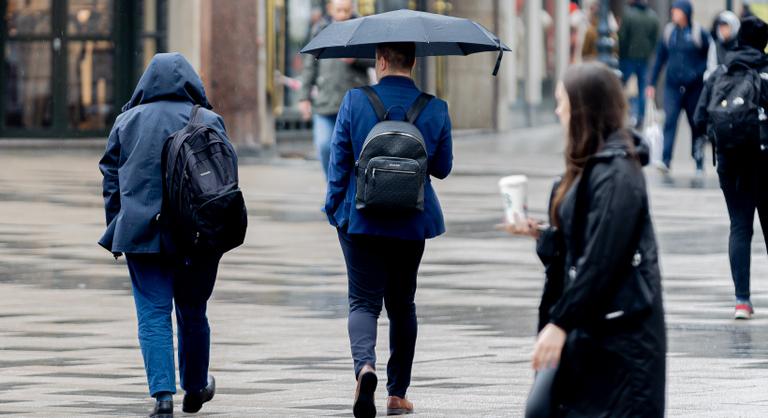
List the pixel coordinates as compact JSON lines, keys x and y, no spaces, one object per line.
{"x":364,"y":406}
{"x":194,"y":401}
{"x":163,"y":409}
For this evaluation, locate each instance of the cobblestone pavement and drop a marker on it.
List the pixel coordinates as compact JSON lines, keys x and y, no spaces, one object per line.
{"x":68,"y":342}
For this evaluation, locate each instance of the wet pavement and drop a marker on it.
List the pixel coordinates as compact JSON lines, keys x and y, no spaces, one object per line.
{"x":68,"y":330}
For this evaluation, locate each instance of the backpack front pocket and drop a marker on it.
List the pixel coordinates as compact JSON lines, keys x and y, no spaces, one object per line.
{"x":394,"y":183}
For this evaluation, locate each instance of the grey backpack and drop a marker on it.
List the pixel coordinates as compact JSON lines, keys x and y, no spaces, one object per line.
{"x":392,"y":166}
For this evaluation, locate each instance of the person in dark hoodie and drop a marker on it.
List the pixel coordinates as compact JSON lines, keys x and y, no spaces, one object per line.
{"x":133,"y":191}
{"x":742,"y":167}
{"x":601,"y":317}
{"x":683,"y":47}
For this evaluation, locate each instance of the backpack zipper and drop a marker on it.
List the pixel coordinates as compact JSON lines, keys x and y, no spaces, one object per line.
{"x":389,"y":170}
{"x":404,"y":134}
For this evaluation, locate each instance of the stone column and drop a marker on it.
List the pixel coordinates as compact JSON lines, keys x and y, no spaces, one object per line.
{"x":562,"y":38}
{"x":184,"y":29}
{"x":508,"y":71}
{"x":232,"y":37}
{"x":534,"y":56}
{"x":471,"y":89}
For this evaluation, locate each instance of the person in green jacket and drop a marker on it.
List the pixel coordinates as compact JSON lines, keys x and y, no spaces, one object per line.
{"x":332,"y":77}
{"x":638,"y":35}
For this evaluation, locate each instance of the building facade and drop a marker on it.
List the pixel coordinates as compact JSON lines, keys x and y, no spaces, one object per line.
{"x":69,"y":65}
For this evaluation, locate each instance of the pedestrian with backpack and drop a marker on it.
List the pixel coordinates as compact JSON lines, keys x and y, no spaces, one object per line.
{"x":683,"y":47}
{"x":389,"y":140}
{"x":169,"y":269}
{"x":733,"y":111}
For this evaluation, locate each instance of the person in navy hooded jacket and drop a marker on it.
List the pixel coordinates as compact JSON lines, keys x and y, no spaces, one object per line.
{"x":382,"y":251}
{"x":133,"y":189}
{"x":683,"y":47}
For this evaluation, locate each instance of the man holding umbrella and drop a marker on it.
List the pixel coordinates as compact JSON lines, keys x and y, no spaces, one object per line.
{"x":383,"y":250}
{"x":389,"y":141}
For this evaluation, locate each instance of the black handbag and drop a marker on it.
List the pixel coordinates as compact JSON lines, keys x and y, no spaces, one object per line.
{"x":540,"y":403}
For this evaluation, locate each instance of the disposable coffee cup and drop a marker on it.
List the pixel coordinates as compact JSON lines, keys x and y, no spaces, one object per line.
{"x":514,"y":193}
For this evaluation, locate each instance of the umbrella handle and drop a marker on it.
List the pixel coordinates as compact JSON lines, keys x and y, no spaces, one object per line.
{"x":498,"y":60}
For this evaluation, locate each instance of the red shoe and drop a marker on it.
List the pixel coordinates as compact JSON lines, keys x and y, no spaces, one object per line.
{"x":744,"y":310}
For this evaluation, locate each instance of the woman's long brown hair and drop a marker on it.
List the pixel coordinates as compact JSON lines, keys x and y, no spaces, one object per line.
{"x":598,"y":109}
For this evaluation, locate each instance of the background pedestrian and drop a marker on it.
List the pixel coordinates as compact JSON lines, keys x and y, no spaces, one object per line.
{"x":638,"y":35}
{"x":683,"y":49}
{"x":725,"y":31}
{"x":742,"y":165}
{"x":332,"y":78}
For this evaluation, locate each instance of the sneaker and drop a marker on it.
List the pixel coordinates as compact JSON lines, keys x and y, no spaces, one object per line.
{"x":662,"y":167}
{"x":744,"y":310}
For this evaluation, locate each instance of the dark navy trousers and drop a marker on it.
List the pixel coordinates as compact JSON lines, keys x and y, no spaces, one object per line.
{"x":379,"y":270}
{"x":677,"y":99}
{"x":158,"y":281}
{"x":744,"y":181}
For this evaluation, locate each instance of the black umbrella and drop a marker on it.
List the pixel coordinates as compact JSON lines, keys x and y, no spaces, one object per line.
{"x":433,"y":35}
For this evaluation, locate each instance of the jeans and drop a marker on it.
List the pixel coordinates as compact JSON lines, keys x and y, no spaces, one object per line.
{"x":158,"y":281}
{"x":385,"y":269}
{"x":744,"y":182}
{"x":639,"y":68}
{"x":676,"y":99}
{"x":322,"y":132}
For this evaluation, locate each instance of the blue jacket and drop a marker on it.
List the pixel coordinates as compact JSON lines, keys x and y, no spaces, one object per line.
{"x":356,"y":118}
{"x":133,"y":186}
{"x":686,"y":61}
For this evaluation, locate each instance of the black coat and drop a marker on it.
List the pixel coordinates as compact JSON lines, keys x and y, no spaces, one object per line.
{"x":610,"y":367}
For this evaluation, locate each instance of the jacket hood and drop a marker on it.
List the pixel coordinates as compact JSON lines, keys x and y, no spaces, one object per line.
{"x":686,"y":7}
{"x":617,"y":141}
{"x":729,"y":18}
{"x":746,"y":56}
{"x":169,"y":76}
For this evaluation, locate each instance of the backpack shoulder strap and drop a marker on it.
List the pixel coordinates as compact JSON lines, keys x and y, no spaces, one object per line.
{"x":195,"y":116}
{"x":698,"y":34}
{"x":418,"y":105}
{"x":378,"y":105}
{"x":668,"y":33}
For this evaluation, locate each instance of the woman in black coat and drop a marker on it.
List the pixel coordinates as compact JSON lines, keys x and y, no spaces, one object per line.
{"x":601,"y":316}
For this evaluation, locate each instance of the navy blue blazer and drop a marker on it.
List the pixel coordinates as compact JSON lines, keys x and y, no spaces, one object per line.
{"x":356,"y":118}
{"x":133,"y":185}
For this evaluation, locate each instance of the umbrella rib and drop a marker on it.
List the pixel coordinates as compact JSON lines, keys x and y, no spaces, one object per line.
{"x":424,"y":29}
{"x":346,"y":44}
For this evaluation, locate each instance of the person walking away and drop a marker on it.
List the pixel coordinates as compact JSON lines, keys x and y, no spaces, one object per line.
{"x":740,"y":146}
{"x":601,"y":316}
{"x":725,"y":31}
{"x":591,"y":35}
{"x":638,"y":35}
{"x":332,"y":78}
{"x":683,"y":49}
{"x":133,"y":197}
{"x":382,"y":234}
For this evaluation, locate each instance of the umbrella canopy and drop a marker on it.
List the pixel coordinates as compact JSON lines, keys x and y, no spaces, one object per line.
{"x":433,"y":35}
